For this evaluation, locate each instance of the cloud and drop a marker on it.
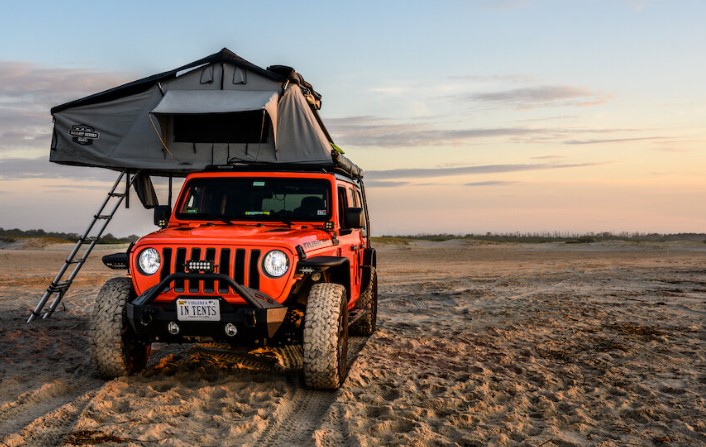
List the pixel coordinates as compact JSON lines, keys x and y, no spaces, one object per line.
{"x":541,"y":96}
{"x":372,"y":131}
{"x":547,"y":157}
{"x":467,"y":170}
{"x":28,"y":91}
{"x":375,"y":131}
{"x":22,"y":168}
{"x":614,"y":140}
{"x":28,"y":82}
{"x":485,"y":79}
{"x":385,"y":184}
{"x":489,"y":183}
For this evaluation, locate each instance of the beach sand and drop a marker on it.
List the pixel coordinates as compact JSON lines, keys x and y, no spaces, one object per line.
{"x":479,"y":344}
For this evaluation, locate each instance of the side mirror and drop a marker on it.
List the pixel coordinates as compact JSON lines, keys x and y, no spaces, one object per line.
{"x":162,"y":213}
{"x":354,"y":218}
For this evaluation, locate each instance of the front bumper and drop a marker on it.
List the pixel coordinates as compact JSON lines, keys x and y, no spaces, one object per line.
{"x":261,"y":317}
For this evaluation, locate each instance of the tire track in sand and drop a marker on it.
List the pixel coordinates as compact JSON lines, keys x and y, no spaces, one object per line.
{"x":34,"y":404}
{"x":301,"y":413}
{"x":50,"y":428}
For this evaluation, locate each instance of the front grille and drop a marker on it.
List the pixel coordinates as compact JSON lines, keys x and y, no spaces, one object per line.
{"x":240,"y":264}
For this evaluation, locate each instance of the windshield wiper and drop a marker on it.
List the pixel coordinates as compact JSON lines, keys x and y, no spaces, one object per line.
{"x":220,"y":217}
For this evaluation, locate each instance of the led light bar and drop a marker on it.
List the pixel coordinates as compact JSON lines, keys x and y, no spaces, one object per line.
{"x":200,"y":266}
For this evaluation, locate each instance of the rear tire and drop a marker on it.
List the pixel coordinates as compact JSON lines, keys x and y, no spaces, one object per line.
{"x":115,"y":349}
{"x":326,"y":337}
{"x":367,"y":324}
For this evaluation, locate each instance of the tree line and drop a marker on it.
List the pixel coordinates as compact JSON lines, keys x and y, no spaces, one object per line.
{"x":11,"y":235}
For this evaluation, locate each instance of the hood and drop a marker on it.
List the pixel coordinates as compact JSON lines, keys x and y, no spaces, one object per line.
{"x":242,"y":235}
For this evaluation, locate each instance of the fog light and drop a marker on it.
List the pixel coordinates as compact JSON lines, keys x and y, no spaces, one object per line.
{"x":173,"y":328}
{"x":316,"y":277}
{"x":231,"y":330}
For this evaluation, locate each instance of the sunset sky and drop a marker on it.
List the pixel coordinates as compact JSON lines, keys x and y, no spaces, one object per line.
{"x":467,"y":116}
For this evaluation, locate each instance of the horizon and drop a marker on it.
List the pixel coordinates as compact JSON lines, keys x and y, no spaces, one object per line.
{"x":470,"y":117}
{"x":421,"y":236}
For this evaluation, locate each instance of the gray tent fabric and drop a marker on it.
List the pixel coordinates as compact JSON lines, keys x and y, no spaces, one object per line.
{"x":110,"y":135}
{"x":216,"y":101}
{"x":218,"y":110}
{"x":301,"y":139}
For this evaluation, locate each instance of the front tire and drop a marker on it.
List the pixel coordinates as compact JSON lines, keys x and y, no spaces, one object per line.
{"x":115,"y":349}
{"x":326,"y":337}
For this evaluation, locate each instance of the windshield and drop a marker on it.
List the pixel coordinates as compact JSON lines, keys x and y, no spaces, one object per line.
{"x":256,"y":199}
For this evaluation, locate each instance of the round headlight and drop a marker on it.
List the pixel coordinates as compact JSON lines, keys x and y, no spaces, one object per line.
{"x":148,"y":261}
{"x":275,"y":263}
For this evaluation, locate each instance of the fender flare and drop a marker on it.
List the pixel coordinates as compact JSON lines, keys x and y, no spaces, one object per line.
{"x":338,"y":268}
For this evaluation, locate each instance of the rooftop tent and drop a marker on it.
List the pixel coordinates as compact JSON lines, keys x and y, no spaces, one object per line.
{"x":217,"y":110}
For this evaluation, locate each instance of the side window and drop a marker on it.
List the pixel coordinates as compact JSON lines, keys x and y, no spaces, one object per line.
{"x":358,"y":200}
{"x":351,"y":198}
{"x":359,"y":204}
{"x":342,"y":204}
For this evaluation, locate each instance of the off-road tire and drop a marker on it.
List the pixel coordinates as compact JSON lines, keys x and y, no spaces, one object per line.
{"x":326,"y":337}
{"x":115,"y":349}
{"x":368,"y":303}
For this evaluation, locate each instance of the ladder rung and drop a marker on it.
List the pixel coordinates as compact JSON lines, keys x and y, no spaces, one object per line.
{"x":88,"y":238}
{"x":116,"y":194}
{"x":102,"y":216}
{"x":76,"y":261}
{"x":59,"y":286}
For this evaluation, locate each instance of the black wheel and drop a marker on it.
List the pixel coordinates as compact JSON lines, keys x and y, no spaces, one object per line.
{"x":115,"y":349}
{"x":368,"y":302}
{"x":326,"y":337}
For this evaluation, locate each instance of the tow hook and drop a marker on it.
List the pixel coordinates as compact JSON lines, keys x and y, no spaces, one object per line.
{"x":250,"y":318}
{"x":146,"y":318}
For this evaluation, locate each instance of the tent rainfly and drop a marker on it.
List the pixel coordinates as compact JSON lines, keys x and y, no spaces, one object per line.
{"x":217,"y":110}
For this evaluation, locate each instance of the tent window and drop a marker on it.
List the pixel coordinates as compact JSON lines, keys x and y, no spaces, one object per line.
{"x":235,"y":127}
{"x":207,"y":75}
{"x":240,"y":76}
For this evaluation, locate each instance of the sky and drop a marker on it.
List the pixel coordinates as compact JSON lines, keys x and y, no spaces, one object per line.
{"x":501,"y":116}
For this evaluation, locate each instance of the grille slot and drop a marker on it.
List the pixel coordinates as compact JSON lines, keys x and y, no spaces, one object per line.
{"x":240,"y":264}
{"x":167,"y":266}
{"x":224,"y":266}
{"x":254,"y":275}
{"x":194,"y":285}
{"x":179,"y":267}
{"x":239,"y":275}
{"x":208,"y":286}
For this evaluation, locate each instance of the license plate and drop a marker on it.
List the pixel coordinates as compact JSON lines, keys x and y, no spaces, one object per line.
{"x":198,"y":310}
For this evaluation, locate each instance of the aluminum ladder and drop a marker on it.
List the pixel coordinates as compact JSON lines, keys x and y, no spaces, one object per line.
{"x":61,"y":283}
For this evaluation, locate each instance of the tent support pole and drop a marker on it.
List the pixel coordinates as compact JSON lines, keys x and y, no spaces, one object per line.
{"x":127,"y":189}
{"x":169,"y":200}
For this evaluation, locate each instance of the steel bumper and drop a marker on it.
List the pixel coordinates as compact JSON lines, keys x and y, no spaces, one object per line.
{"x":261,"y":317}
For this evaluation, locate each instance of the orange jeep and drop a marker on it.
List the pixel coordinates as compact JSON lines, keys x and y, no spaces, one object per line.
{"x":249,"y":257}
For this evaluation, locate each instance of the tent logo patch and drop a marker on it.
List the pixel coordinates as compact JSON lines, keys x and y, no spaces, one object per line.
{"x":83,"y":135}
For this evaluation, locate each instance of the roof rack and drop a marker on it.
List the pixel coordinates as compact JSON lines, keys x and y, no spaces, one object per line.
{"x":340,"y":165}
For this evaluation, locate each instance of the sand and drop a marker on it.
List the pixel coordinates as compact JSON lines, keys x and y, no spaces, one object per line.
{"x":479,"y":344}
